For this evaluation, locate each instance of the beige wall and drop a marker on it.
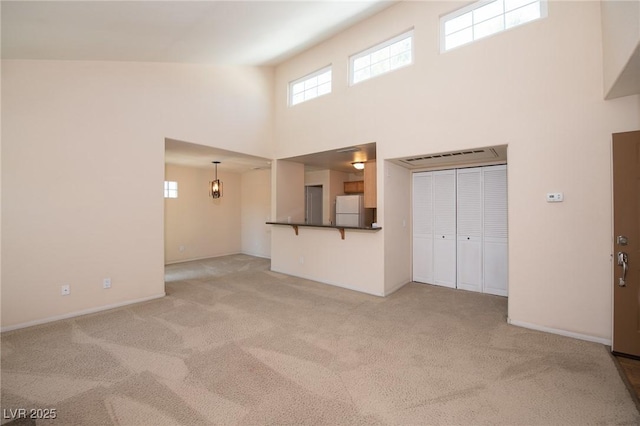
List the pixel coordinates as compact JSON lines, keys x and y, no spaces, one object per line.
{"x":320,"y":254}
{"x":621,"y":37}
{"x":83,"y":166}
{"x":537,"y":89}
{"x":195,"y":225}
{"x":255,"y":212}
{"x":397,"y":228}
{"x":288,"y":192}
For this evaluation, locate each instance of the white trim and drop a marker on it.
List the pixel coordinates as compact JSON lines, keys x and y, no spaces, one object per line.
{"x":260,"y":255}
{"x":80,"y":313}
{"x":193,"y":259}
{"x":560,"y":332}
{"x":216,"y":256}
{"x":544,"y":12}
{"x":379,"y":46}
{"x":307,"y":77}
{"x":395,"y":288}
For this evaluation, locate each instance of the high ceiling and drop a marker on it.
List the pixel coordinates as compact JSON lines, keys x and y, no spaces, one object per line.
{"x":203,"y":32}
{"x":259,"y":33}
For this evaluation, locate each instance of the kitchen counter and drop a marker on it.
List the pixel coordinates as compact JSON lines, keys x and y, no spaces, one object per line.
{"x":341,"y":229}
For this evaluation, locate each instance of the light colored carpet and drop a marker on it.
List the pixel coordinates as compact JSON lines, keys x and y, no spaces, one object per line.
{"x":233,"y":343}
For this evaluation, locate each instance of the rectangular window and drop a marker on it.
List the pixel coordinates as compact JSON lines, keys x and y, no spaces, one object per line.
{"x":170,"y":189}
{"x":485,"y":18}
{"x":382,"y":58}
{"x":310,"y":86}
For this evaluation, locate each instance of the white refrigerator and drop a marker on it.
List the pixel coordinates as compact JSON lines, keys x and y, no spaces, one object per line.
{"x":350,"y":210}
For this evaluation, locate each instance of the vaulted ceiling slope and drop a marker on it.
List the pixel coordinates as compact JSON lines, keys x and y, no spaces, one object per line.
{"x":204,"y":32}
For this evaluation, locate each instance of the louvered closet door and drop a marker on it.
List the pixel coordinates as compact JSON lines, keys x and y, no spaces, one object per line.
{"x":444,"y":239}
{"x":423,"y":227}
{"x":469,"y":239}
{"x":495,"y":245}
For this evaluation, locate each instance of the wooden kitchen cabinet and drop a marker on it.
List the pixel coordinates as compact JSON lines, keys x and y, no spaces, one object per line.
{"x":354,"y":187}
{"x":370,"y":185}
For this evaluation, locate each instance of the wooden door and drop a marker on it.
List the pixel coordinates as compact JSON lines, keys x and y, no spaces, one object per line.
{"x":626,"y":228}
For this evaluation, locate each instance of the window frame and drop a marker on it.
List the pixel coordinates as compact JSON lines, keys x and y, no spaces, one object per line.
{"x":168,"y":191}
{"x":544,"y":11}
{"x":402,"y":36}
{"x":304,"y":79}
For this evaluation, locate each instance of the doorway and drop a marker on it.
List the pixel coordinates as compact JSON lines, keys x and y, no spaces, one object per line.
{"x":313,"y":204}
{"x":626,"y":257}
{"x":460,"y":230}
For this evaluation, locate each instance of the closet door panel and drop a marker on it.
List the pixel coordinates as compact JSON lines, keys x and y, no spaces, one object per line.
{"x":423,"y":259}
{"x":469,"y":229}
{"x":423,"y":227}
{"x":444,"y":236}
{"x":444,"y":261}
{"x":495,"y":267}
{"x":495,"y":245}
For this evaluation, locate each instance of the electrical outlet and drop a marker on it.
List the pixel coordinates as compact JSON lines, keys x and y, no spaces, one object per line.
{"x":181,"y":249}
{"x":302,"y":260}
{"x":65,"y":290}
{"x":106,"y":283}
{"x":555,"y":197}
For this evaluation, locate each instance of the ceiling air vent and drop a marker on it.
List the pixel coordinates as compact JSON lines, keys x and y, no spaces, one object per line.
{"x":466,"y":156}
{"x":350,"y":149}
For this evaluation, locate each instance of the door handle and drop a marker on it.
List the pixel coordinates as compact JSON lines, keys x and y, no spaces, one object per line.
{"x":623,"y":260}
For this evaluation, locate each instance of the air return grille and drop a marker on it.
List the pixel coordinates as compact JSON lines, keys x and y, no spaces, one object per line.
{"x":470,"y":155}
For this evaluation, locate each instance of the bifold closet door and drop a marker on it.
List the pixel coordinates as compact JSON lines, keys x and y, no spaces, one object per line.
{"x":444,"y":227}
{"x":495,"y":242}
{"x":469,"y":229}
{"x":423,"y":227}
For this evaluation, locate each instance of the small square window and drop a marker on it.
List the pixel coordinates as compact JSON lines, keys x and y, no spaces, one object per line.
{"x":170,"y":189}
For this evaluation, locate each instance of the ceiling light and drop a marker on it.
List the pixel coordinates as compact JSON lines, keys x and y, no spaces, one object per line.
{"x":215,"y":187}
{"x":359,"y":165}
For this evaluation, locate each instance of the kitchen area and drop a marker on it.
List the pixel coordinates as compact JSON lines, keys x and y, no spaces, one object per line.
{"x":319,"y":242}
{"x":340,"y":189}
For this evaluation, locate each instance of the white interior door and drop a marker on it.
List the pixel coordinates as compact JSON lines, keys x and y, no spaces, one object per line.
{"x":495,"y":248}
{"x":460,"y":229}
{"x":444,"y":241}
{"x":313,"y":205}
{"x":423,"y":227}
{"x":469,"y":229}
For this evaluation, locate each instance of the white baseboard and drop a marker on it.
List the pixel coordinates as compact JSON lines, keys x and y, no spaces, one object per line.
{"x":79,"y":313}
{"x":560,"y":332}
{"x":395,"y":288}
{"x":174,"y":262}
{"x":262,"y":256}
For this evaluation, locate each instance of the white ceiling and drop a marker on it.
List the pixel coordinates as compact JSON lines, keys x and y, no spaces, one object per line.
{"x":193,"y":155}
{"x":262,"y":33}
{"x":203,"y":32}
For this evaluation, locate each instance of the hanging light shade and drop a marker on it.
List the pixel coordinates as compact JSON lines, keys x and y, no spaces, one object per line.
{"x":215,"y":186}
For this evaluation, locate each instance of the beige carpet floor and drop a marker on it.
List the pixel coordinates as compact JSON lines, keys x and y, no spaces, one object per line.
{"x":233,"y":343}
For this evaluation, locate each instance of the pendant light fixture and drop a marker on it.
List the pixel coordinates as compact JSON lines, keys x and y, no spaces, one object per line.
{"x":215,"y":187}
